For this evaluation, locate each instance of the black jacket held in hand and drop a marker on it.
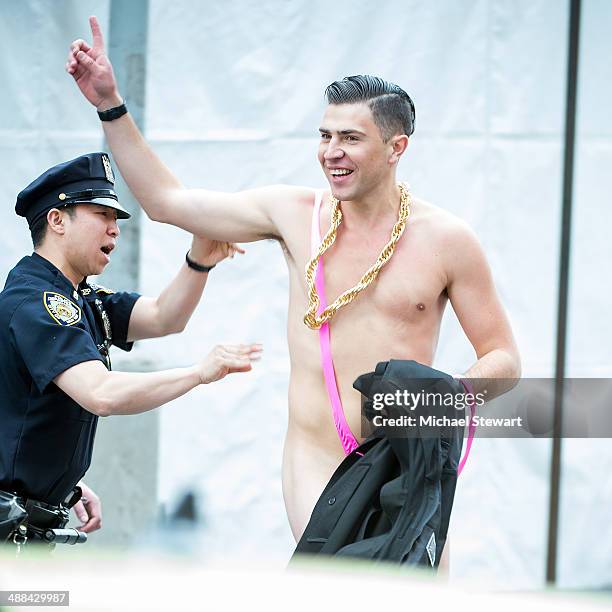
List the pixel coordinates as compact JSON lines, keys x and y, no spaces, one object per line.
{"x":391,"y":498}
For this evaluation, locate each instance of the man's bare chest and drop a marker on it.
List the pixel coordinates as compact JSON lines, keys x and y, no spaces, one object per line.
{"x":408,"y":287}
{"x":412,"y":284}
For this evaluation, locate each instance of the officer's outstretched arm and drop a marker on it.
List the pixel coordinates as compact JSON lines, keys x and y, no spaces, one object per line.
{"x":235,"y":217}
{"x":105,"y":393}
{"x":172,"y":309}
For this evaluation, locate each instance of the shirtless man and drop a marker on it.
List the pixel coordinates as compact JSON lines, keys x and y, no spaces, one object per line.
{"x":364,"y":133}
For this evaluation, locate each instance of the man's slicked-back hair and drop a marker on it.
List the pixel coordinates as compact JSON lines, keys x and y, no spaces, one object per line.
{"x":392,"y":109}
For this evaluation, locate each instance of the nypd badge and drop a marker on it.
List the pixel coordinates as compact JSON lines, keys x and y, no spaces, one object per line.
{"x":105,"y":320}
{"x":62,"y":310}
{"x":108,"y":169}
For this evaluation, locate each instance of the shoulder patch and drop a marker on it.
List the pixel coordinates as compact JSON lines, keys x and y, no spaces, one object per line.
{"x":101,"y":289}
{"x":62,"y":310}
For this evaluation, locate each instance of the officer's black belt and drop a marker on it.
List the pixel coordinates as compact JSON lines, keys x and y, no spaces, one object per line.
{"x":23,"y":519}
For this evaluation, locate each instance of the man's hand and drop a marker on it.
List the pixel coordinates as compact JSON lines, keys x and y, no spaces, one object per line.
{"x":210,"y":252}
{"x":88,"y":510}
{"x":92,"y":70}
{"x":226,"y":359}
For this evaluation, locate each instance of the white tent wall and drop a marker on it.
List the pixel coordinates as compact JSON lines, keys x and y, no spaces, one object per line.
{"x":42,"y":120}
{"x":234,"y":100}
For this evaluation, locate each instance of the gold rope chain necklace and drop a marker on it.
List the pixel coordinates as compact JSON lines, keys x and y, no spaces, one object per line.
{"x":311,"y":319}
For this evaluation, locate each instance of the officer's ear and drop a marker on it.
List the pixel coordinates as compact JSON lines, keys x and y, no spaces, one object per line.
{"x":55,"y":219}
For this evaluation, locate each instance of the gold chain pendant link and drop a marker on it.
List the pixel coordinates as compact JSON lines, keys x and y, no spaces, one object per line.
{"x":311,"y":319}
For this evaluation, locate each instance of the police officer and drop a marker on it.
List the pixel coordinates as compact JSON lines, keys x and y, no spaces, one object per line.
{"x":55,"y":333}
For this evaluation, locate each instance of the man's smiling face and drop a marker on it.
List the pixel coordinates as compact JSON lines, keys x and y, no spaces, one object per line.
{"x":352,"y":153}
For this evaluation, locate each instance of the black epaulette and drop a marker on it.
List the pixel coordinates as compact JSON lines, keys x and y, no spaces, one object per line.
{"x":100,"y":289}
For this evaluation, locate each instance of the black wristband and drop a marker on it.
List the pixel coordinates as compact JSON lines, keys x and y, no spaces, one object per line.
{"x":113,"y":113}
{"x":196,"y":266}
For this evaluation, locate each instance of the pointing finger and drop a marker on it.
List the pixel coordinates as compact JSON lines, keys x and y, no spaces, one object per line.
{"x":96,"y":32}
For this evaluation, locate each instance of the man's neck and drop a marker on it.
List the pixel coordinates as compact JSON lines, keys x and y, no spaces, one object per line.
{"x":58,"y":259}
{"x":375,"y":208}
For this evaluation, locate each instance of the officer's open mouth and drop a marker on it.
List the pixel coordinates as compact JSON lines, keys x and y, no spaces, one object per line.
{"x":107,"y":249}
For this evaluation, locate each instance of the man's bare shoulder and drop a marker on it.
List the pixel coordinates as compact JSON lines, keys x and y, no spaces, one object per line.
{"x":453,"y":239}
{"x":440,"y":224}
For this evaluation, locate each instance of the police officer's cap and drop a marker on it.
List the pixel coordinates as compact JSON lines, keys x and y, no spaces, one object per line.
{"x":88,"y":179}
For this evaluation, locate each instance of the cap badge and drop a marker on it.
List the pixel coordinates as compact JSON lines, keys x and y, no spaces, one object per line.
{"x":108,"y":169}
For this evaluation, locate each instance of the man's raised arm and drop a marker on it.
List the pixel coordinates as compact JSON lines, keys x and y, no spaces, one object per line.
{"x":241,"y":217}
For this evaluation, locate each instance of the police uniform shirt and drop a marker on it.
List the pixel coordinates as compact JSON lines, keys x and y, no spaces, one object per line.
{"x":46,"y":327}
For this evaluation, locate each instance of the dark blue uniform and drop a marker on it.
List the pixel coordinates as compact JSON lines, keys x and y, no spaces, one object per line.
{"x":46,"y":327}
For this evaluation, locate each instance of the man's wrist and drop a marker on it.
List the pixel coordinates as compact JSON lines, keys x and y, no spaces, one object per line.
{"x":196,"y":375}
{"x":195,"y":264}
{"x":201,"y":256}
{"x":110,"y":102}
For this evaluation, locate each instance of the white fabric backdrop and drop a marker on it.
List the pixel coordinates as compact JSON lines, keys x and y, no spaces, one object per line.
{"x":234,"y":97}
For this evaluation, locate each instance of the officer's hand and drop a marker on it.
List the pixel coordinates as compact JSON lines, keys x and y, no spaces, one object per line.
{"x":88,"y":510}
{"x":209,"y":252}
{"x":92,"y":70}
{"x":227,"y":358}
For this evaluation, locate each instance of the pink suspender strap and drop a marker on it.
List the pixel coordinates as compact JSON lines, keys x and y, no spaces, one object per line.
{"x":349,"y":443}
{"x":471,"y":428}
